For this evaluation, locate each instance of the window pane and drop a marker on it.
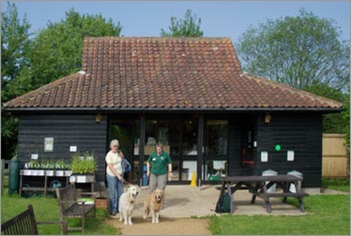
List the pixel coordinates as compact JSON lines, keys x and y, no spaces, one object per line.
{"x":214,"y":170}
{"x":175,"y":170}
{"x":189,"y":139}
{"x":164,"y":131}
{"x":217,"y":137}
{"x":189,"y":167}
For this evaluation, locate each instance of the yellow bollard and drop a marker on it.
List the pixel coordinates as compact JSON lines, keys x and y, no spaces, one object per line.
{"x":193,"y":180}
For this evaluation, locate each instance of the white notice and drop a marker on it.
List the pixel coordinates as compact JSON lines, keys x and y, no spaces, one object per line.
{"x":290,"y":155}
{"x":81,"y":179}
{"x":73,"y":148}
{"x":264,"y":156}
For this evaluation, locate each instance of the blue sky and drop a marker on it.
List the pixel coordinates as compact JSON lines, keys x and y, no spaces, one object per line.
{"x":219,"y":18}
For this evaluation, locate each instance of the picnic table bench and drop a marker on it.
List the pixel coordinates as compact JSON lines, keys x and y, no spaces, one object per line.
{"x":25,"y":224}
{"x":71,"y":207}
{"x":258,"y":186}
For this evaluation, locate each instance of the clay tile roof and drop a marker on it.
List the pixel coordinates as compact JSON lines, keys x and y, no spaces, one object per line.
{"x":164,"y":73}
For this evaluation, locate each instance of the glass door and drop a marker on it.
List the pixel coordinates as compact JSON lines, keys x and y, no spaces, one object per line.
{"x":215,"y":156}
{"x":122,"y":130}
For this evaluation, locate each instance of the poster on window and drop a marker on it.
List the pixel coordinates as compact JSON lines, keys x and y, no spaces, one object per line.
{"x":48,"y":144}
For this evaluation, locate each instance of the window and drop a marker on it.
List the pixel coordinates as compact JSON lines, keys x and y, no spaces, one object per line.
{"x":217,"y":137}
{"x":189,"y":137}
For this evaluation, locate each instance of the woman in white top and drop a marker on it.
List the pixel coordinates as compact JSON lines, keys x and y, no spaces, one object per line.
{"x":114,"y":175}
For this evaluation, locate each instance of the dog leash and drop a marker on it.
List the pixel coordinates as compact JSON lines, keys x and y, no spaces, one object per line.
{"x":126,"y":182}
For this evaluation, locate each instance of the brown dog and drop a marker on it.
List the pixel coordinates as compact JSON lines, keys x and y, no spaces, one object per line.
{"x":153,"y":204}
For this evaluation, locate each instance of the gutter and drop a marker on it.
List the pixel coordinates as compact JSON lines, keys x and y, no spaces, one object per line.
{"x":170,"y":110}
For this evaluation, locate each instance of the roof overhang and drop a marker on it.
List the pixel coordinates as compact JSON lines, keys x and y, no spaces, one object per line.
{"x":169,"y":110}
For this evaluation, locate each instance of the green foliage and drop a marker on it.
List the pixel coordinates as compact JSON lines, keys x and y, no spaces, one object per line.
{"x":9,"y":128}
{"x":298,"y":51}
{"x":346,"y":119}
{"x":189,"y":27}
{"x":57,"y":50}
{"x":335,"y":122}
{"x":28,"y":63}
{"x":14,"y":48}
{"x":338,"y":184}
{"x":83,"y":164}
{"x":328,"y":215}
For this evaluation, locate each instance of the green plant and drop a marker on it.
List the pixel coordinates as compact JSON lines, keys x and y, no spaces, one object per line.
{"x":83,"y":164}
{"x":33,"y":164}
{"x":60,"y":165}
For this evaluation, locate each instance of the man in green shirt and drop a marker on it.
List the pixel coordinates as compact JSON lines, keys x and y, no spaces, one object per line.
{"x":159,"y":162}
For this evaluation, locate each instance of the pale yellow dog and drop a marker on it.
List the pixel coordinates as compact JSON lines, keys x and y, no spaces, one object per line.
{"x":153,"y":203}
{"x":126,"y":204}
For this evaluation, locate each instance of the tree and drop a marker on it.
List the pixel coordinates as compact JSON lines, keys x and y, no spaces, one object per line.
{"x":15,"y":40}
{"x":298,"y":51}
{"x":57,"y":50}
{"x":53,"y":53}
{"x":346,"y":117}
{"x":14,"y":48}
{"x":334,"y":122}
{"x":189,"y":27}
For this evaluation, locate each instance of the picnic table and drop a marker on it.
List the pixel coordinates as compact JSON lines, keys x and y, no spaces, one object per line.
{"x":258,"y":186}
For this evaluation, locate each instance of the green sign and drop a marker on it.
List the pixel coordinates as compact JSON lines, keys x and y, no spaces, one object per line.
{"x":278,"y":147}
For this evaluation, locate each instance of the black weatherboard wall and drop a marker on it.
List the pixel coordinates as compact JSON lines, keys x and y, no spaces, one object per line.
{"x":67,"y":130}
{"x":298,"y":132}
{"x":301,"y":133}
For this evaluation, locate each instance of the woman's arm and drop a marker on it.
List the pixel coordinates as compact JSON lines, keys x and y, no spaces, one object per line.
{"x":110,"y":166}
{"x":170,"y":174}
{"x":147,"y":169}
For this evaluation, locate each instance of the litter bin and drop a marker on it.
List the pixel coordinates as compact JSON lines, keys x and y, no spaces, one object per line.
{"x":272,"y":189}
{"x":14,"y":171}
{"x":292,"y":187}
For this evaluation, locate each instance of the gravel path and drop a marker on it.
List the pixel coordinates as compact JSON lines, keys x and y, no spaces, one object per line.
{"x":167,"y":226}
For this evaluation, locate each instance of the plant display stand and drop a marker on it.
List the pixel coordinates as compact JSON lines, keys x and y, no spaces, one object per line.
{"x":42,"y":174}
{"x":83,"y":178}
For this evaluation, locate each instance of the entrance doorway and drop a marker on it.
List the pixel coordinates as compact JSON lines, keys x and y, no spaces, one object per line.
{"x":215,"y":156}
{"x":123,"y":131}
{"x":180,"y":139}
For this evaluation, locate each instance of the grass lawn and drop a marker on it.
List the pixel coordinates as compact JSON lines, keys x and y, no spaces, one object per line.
{"x":46,"y":209}
{"x":327,"y":215}
{"x":336,"y":184}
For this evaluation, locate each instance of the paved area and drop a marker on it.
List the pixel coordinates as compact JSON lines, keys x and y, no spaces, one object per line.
{"x":183,"y":201}
{"x":167,"y":226}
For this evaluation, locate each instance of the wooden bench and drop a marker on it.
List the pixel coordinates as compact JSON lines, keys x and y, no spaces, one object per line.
{"x":25,"y":224}
{"x":71,"y":207}
{"x":266,"y":196}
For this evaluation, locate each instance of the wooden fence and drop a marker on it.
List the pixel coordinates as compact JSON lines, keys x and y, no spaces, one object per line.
{"x":335,"y":157}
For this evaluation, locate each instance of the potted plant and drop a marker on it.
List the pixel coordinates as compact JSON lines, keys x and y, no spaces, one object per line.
{"x":28,"y":168}
{"x":50,"y":168}
{"x":60,"y":168}
{"x":83,"y":168}
{"x":101,"y":200}
{"x":33,"y":167}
